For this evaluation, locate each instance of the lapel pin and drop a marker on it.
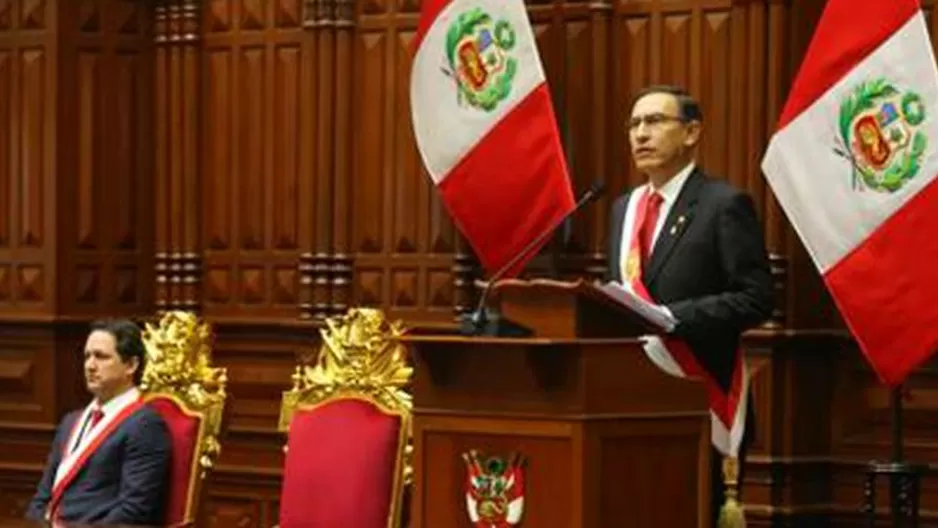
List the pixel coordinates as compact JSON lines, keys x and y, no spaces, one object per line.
{"x":677,"y":225}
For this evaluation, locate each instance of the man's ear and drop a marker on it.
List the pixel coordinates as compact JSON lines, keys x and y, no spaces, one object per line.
{"x":134,"y":363}
{"x":692,"y":134}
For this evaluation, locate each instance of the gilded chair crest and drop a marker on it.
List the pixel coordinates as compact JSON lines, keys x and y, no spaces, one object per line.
{"x":180,"y":381}
{"x":361,"y":355}
{"x":361,"y":358}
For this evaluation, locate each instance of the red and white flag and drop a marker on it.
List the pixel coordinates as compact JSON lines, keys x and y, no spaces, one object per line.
{"x":485,"y":127}
{"x":853,"y":164}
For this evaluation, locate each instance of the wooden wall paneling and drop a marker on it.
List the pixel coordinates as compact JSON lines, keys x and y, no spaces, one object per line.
{"x":256,"y":179}
{"x":262,"y":204}
{"x":773,"y":19}
{"x":788,"y":472}
{"x":802,"y":300}
{"x":178,"y":258}
{"x":342,"y":260}
{"x":27,"y":374}
{"x":402,"y":240}
{"x":260,"y":359}
{"x":74,"y":223}
{"x":9,"y":204}
{"x":603,"y":127}
{"x":249,"y":498}
{"x":104,"y":229}
{"x":16,"y":490}
{"x":28,"y":59}
{"x":572,"y":40}
{"x":312,"y":294}
{"x":322,"y":26}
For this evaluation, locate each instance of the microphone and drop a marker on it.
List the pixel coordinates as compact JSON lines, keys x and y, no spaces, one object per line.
{"x":480,"y":318}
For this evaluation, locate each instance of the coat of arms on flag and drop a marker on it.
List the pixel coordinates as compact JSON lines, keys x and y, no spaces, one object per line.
{"x":874,"y":89}
{"x":881,"y":127}
{"x":484,"y":124}
{"x":477,"y":51}
{"x":494,"y":490}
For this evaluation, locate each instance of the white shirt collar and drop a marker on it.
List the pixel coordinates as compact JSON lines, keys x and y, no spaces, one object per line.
{"x":117,"y":403}
{"x":670,"y":190}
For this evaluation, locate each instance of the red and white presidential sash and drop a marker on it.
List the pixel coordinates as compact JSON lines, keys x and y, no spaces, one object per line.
{"x":674,"y":356}
{"x":74,"y":460}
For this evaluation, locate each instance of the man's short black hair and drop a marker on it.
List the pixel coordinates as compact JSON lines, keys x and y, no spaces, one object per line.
{"x":688,"y":107}
{"x":129,"y":339}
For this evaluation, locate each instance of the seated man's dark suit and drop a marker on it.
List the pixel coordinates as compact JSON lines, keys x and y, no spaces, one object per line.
{"x":709,"y":267}
{"x":123,"y":481}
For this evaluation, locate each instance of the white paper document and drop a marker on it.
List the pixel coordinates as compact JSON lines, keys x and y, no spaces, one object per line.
{"x":654,"y":313}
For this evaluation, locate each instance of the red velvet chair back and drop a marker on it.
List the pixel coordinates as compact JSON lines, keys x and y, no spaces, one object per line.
{"x":343,"y":466}
{"x":182,"y":386}
{"x":184,"y":429}
{"x":348,"y":425}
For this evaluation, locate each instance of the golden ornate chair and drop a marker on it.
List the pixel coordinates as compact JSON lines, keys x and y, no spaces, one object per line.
{"x":180,"y":383}
{"x":348,"y":421}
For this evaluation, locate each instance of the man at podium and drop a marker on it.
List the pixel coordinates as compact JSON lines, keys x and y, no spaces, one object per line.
{"x":691,"y":243}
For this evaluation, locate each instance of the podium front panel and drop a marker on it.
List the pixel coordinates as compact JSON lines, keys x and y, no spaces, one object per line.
{"x":608,"y":439}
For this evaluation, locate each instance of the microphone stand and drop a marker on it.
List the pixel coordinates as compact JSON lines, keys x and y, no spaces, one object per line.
{"x":487,"y":321}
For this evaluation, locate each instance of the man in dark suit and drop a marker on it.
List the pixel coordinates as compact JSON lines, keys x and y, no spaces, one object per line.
{"x":109,"y":461}
{"x":699,"y":246}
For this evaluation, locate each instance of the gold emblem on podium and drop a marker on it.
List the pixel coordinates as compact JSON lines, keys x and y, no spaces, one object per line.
{"x":494,"y":490}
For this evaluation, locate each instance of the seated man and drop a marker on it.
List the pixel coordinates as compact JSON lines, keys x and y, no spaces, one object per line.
{"x":109,"y":461}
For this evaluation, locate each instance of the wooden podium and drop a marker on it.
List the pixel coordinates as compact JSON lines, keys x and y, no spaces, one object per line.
{"x":608,"y":439}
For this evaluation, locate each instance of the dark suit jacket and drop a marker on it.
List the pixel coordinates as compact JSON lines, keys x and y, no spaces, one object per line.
{"x":123,"y":482}
{"x":713,"y":273}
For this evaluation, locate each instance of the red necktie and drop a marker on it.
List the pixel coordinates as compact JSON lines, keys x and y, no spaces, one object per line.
{"x":96,"y":416}
{"x":647,"y":232}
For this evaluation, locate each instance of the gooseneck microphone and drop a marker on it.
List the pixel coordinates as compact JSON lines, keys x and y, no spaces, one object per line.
{"x":479,"y":318}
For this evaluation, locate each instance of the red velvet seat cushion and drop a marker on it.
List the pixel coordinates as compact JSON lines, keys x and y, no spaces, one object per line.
{"x":184,"y":430}
{"x":340,"y":467}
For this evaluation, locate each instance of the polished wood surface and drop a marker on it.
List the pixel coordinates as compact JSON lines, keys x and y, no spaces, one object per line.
{"x":601,"y":428}
{"x":254,"y":159}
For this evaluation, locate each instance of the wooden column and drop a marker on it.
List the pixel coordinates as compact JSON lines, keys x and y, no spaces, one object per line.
{"x":342,"y":259}
{"x":775,"y":16}
{"x":316,"y":267}
{"x":326,"y":271}
{"x":603,"y":126}
{"x":178,"y":95}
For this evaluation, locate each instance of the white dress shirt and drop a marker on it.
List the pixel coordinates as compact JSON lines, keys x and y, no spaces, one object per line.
{"x":669,"y":193}
{"x":114,"y":406}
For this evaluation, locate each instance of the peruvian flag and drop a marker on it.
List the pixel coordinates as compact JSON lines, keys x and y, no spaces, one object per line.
{"x":485,"y":126}
{"x":853,"y":164}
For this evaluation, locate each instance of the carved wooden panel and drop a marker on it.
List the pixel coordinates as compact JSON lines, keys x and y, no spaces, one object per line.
{"x":104,"y":179}
{"x":257,"y":174}
{"x":401,"y":236}
{"x":15,"y":494}
{"x":260,"y":362}
{"x":27,"y":167}
{"x":27,"y":375}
